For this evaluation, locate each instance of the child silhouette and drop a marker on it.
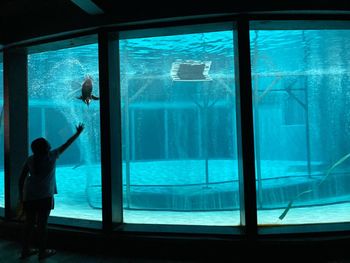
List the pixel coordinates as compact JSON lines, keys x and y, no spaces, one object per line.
{"x":37,"y":187}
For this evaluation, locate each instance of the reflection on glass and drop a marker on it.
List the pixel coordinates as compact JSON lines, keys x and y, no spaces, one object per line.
{"x":302,"y":125}
{"x":55,"y":83}
{"x":2,"y":196}
{"x":179,"y":131}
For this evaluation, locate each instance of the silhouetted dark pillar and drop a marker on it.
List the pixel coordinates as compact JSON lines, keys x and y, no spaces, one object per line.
{"x":245,"y":129}
{"x":111,"y":153}
{"x":15,"y":123}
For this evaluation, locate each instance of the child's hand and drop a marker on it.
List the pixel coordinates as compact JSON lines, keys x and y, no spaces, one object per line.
{"x":80,"y":127}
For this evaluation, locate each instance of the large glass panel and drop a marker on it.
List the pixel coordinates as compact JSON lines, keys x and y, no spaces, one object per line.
{"x":55,"y":81}
{"x":179,"y":130}
{"x":301,"y":90}
{"x":2,"y":179}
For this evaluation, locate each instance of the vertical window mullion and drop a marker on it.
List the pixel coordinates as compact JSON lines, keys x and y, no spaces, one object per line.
{"x":16,"y":133}
{"x":245,"y":129}
{"x":111,"y":161}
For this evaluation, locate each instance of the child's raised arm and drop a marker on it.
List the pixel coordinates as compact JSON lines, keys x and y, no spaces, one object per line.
{"x":63,"y":147}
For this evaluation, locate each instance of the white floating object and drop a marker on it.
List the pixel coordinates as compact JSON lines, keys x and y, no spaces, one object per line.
{"x":190,"y":70}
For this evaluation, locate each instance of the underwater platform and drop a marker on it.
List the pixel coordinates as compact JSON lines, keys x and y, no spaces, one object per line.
{"x":221,"y":194}
{"x":155,"y":186}
{"x":275,"y":193}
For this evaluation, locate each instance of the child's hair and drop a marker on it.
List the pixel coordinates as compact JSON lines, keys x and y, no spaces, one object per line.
{"x":40,"y":146}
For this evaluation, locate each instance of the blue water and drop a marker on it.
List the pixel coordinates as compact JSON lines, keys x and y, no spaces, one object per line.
{"x":55,"y":79}
{"x":179,"y":139}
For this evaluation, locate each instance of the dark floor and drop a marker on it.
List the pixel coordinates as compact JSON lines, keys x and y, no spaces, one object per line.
{"x":9,"y":252}
{"x":79,"y":247}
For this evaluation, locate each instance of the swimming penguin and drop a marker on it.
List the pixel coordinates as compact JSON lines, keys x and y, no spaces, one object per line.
{"x":86,"y":91}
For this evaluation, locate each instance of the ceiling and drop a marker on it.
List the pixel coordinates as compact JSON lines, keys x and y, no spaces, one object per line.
{"x":27,"y":19}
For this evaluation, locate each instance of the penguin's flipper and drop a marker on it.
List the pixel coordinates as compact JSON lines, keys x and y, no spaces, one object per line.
{"x":79,"y":98}
{"x":94,"y":97}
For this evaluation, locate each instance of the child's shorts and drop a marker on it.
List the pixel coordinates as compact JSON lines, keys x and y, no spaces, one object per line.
{"x":40,"y":204}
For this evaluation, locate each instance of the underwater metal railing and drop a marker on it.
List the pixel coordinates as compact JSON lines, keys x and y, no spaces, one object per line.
{"x":204,"y":185}
{"x":284,"y":191}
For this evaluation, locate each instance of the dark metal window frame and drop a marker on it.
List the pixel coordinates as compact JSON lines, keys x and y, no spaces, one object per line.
{"x":246,"y":166}
{"x":302,"y":21}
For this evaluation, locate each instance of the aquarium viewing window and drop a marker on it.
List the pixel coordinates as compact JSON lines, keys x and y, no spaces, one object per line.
{"x":190,"y":70}
{"x":180,"y":145}
{"x":302,"y":151}
{"x":179,"y":134}
{"x":55,"y":81}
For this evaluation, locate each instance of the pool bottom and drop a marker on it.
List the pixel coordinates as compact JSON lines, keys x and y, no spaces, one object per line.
{"x":335,"y":213}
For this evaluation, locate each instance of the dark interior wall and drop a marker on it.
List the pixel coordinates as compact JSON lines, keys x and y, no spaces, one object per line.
{"x":24,"y":19}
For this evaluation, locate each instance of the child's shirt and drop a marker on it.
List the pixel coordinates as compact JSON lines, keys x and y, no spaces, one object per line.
{"x":41,"y":182}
